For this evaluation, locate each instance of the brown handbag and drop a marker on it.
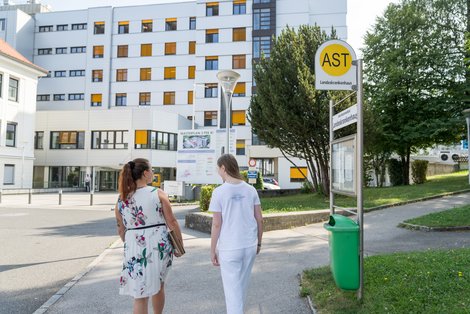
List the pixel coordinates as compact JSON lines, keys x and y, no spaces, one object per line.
{"x":176,"y":242}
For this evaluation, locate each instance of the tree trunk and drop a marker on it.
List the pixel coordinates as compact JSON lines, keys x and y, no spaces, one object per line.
{"x":406,"y":166}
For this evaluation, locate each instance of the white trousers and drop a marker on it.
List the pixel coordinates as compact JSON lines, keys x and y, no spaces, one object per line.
{"x":235,"y":268}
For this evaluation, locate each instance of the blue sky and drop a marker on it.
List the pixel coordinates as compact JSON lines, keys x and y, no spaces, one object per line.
{"x":361,"y":13}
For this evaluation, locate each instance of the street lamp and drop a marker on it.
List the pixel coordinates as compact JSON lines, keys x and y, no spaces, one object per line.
{"x":466,"y":114}
{"x":227,"y":79}
{"x":22,"y":162}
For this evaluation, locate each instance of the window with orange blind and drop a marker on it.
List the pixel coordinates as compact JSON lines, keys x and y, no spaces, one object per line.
{"x":145,"y":74}
{"x":121,"y":75}
{"x":238,"y":117}
{"x":147,"y":26}
{"x":190,"y":97}
{"x":98,"y":51}
{"x":141,"y":137}
{"x":240,"y":147}
{"x":170,"y":24}
{"x":212,"y":35}
{"x":96,"y":100}
{"x":191,"y":72}
{"x":212,"y":8}
{"x":298,"y":174}
{"x":240,"y":90}
{"x":122,"y":51}
{"x":238,"y":61}
{"x":97,"y":75}
{"x":239,"y":34}
{"x":169,"y":98}
{"x":123,"y":27}
{"x":239,"y":7}
{"x":99,"y":28}
{"x":146,"y":50}
{"x":170,"y":73}
{"x":67,"y":137}
{"x":144,"y":99}
{"x":192,"y":47}
{"x":170,"y":48}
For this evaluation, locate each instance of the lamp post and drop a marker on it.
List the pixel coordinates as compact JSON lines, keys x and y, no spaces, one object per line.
{"x":466,"y":114}
{"x":227,"y":79}
{"x":22,"y":162}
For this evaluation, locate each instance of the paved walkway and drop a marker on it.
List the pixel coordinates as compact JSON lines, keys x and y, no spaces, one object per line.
{"x":194,"y":285}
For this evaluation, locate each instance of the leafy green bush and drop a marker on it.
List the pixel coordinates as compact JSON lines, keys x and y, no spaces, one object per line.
{"x":418,"y":171}
{"x":259,"y":180}
{"x":307,"y":187}
{"x":206,"y":195}
{"x":395,"y":168}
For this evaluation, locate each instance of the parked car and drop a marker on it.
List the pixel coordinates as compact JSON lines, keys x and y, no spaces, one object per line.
{"x":271,"y":181}
{"x":270,"y":184}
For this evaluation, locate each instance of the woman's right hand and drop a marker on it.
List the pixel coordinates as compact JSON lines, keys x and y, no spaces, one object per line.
{"x":215,"y":259}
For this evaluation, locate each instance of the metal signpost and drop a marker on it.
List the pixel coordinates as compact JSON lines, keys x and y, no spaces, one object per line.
{"x":337,"y":68}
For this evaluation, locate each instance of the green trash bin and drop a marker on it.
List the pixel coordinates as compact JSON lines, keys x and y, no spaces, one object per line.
{"x":344,"y":251}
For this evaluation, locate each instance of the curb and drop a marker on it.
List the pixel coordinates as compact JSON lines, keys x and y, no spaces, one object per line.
{"x":309,"y":299}
{"x":431,"y":229}
{"x":59,"y":294}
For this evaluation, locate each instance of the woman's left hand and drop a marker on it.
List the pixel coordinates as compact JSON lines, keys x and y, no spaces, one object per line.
{"x":215,"y":259}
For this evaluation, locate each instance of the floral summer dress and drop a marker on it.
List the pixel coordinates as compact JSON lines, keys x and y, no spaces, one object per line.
{"x":148,"y":253}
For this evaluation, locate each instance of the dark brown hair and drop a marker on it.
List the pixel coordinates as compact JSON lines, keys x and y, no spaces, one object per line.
{"x":131,"y":172}
{"x":231,"y":166}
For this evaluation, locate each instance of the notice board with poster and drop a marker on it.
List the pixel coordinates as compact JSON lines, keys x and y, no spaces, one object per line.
{"x":344,"y":165}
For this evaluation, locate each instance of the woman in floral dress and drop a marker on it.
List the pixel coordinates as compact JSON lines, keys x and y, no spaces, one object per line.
{"x":148,"y":254}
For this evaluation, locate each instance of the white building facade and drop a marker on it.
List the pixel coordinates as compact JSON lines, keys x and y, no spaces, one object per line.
{"x":145,"y":72}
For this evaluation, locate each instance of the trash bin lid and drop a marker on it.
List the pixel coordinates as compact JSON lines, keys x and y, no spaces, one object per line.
{"x":339,"y":223}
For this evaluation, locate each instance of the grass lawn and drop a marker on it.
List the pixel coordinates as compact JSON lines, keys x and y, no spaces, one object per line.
{"x":421,"y":282}
{"x":455,"y":217}
{"x":372,"y":196}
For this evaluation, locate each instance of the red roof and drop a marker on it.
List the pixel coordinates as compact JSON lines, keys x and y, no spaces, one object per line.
{"x":10,"y":52}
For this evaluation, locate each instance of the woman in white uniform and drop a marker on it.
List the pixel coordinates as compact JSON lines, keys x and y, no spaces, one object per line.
{"x":237,"y":230}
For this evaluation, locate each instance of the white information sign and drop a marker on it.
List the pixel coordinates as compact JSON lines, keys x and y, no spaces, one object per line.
{"x":198,"y":151}
{"x":344,"y":165}
{"x":173,"y":188}
{"x":333,"y":66}
{"x":345,"y":118}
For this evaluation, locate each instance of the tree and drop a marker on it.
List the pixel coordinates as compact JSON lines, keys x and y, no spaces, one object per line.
{"x":414,"y":75}
{"x":287,"y":112}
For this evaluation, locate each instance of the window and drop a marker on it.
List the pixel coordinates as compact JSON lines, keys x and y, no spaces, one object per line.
{"x":98,"y":51}
{"x":61,"y":50}
{"x":141,"y":139}
{"x":144,"y":99}
{"x":67,"y":140}
{"x":261,"y":45}
{"x":238,"y":117}
{"x":210,"y":118}
{"x":191,"y":72}
{"x":59,"y":97}
{"x":9,"y":174}
{"x":45,"y":97}
{"x":76,"y":27}
{"x":46,"y":28}
{"x":121,"y":99}
{"x":122,"y":51}
{"x":3,"y":23}
{"x":261,"y":1}
{"x":239,"y":34}
{"x":97,"y":76}
{"x":238,"y":61}
{"x":212,"y":35}
{"x":212,"y":63}
{"x":190,"y":97}
{"x":192,"y":22}
{"x":77,"y":73}
{"x":265,"y":166}
{"x":11,"y":135}
{"x":147,"y":139}
{"x":96,"y":100}
{"x":81,"y":49}
{"x":99,"y":28}
{"x":298,"y":174}
{"x":45,"y":51}
{"x":169,"y":98}
{"x":146,"y":50}
{"x":210,"y":90}
{"x":145,"y":74}
{"x":170,"y":48}
{"x":240,"y":147}
{"x":170,"y":73}
{"x":239,"y":7}
{"x":121,"y":75}
{"x":13,"y":89}
{"x":62,"y":27}
{"x":240,"y":90}
{"x":147,"y":26}
{"x":212,"y":8}
{"x":60,"y":73}
{"x":38,"y":140}
{"x":192,"y":47}
{"x":78,"y":96}
{"x":170,"y":24}
{"x":109,"y":139}
{"x":123,"y":27}
{"x":261,"y":19}
{"x":255,"y":140}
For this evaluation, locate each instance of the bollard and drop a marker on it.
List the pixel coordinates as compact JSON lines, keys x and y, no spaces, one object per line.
{"x":91,"y":198}
{"x":29,"y":196}
{"x":60,"y":197}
